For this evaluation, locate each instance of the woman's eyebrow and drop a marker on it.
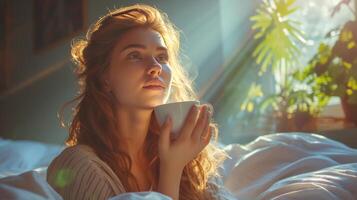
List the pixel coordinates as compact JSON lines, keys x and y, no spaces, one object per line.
{"x":140,"y":46}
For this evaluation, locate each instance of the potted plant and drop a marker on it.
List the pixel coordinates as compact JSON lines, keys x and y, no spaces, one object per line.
{"x":336,"y":75}
{"x":302,"y":93}
{"x":278,"y":51}
{"x":335,"y":67}
{"x":294,"y":106}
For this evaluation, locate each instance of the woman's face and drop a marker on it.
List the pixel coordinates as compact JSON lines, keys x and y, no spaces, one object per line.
{"x":139,"y":58}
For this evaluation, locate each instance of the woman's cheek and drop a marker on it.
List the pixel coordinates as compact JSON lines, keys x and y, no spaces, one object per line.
{"x":168,"y":73}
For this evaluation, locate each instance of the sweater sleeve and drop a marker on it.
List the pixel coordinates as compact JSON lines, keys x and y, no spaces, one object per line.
{"x":77,"y":173}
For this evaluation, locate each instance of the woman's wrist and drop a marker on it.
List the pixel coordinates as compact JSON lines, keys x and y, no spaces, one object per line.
{"x":169,"y":181}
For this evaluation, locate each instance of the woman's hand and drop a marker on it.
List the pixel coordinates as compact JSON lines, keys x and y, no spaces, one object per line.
{"x":194,"y":136}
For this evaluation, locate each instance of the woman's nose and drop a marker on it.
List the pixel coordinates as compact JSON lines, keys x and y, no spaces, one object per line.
{"x":154,"y":67}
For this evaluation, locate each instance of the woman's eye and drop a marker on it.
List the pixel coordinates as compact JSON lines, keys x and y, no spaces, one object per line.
{"x":163,"y":58}
{"x":134,"y":56}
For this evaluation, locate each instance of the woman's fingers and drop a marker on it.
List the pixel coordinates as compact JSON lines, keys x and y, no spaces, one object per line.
{"x":207,"y":136}
{"x":194,"y":137}
{"x":202,"y":123}
{"x":190,"y":123}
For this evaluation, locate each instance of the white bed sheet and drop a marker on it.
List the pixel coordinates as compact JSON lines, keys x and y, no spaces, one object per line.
{"x":18,"y":156}
{"x":276,"y":166}
{"x":291,"y":166}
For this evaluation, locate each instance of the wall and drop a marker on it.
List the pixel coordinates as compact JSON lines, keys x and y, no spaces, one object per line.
{"x":43,"y":81}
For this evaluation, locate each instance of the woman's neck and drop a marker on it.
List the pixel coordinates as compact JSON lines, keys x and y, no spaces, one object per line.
{"x":143,"y":174}
{"x":133,"y":126}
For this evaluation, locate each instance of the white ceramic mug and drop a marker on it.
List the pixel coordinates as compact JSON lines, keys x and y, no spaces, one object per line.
{"x":178,"y":112}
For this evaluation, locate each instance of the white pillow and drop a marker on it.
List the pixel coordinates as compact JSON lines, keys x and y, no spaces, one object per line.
{"x":17,"y":156}
{"x":29,"y":185}
{"x":141,"y":196}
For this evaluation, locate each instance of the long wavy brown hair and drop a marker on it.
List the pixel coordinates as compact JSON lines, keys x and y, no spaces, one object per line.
{"x":94,"y":119}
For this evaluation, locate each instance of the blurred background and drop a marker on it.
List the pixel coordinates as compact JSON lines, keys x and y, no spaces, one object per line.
{"x":266,"y":66}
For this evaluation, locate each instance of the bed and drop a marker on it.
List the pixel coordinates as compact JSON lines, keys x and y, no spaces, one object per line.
{"x":276,"y":166}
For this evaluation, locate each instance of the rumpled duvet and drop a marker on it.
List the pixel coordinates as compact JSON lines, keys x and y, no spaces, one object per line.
{"x":291,"y":166}
{"x":277,"y":166}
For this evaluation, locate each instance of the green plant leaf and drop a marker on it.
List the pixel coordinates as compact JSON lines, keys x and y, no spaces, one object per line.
{"x":280,"y":35}
{"x":270,"y":100}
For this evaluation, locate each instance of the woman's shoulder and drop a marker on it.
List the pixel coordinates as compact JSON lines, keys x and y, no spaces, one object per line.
{"x":72,"y":157}
{"x":77,"y":152}
{"x":78,"y":168}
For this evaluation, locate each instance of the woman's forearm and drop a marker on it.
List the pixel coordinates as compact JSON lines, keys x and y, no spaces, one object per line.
{"x":169,"y":182}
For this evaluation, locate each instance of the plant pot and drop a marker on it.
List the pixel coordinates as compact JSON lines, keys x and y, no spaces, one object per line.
{"x":301,"y":121}
{"x":350,"y":110}
{"x":282,"y":123}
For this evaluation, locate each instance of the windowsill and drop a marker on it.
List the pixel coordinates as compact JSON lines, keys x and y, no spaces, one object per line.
{"x":333,"y":117}
{"x":332,"y":124}
{"x":333,"y":109}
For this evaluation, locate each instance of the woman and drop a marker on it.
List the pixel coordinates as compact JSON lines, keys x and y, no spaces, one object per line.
{"x":115,"y":143}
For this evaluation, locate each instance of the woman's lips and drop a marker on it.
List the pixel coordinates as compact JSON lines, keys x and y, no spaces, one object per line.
{"x":152,"y":87}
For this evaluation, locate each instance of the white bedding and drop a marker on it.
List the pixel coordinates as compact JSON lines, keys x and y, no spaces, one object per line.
{"x":24,"y":155}
{"x":277,"y":166}
{"x":291,"y":166}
